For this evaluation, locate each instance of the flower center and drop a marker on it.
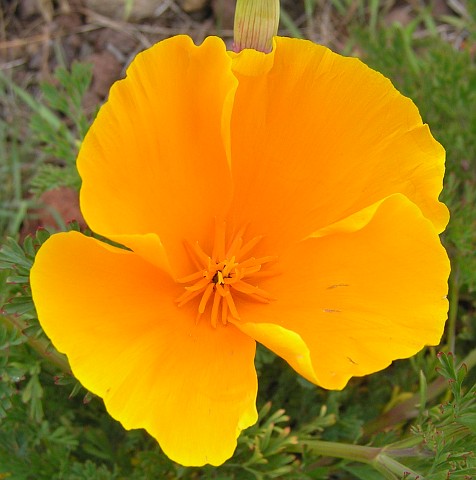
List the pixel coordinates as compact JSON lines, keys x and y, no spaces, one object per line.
{"x":228,"y":274}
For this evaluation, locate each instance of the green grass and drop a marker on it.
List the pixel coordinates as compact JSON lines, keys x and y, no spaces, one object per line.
{"x":13,"y":168}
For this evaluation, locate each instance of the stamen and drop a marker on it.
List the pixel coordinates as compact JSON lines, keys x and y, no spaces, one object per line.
{"x":229,"y":267}
{"x":250,"y":270}
{"x":190,"y":278}
{"x":257,"y":261}
{"x":231,"y":306}
{"x":236,"y":243}
{"x":224,"y":313}
{"x":246,"y":248}
{"x":235,"y":246}
{"x":214,"y":314}
{"x":199,"y":285}
{"x":206,"y":295}
{"x":186,"y":297}
{"x":223,"y":274}
{"x":264,"y":274}
{"x":244,"y":287}
{"x":231,"y":280}
{"x":219,"y":288}
{"x":198,"y":256}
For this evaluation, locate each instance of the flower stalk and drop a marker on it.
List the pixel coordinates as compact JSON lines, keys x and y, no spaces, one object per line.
{"x":256,"y":23}
{"x":382,"y":459}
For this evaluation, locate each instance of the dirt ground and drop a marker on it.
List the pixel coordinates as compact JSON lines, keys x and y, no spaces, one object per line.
{"x":38,"y":35}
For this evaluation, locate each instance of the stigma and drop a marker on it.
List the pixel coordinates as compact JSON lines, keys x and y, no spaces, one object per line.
{"x":226,"y":276}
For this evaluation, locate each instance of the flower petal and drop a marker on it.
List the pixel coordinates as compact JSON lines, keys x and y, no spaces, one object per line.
{"x":360,"y":299}
{"x":321,"y":136}
{"x":285,"y":343}
{"x":154,"y":160}
{"x":190,"y":386}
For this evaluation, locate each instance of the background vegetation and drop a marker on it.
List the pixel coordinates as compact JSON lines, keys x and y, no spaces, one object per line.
{"x":417,"y":419}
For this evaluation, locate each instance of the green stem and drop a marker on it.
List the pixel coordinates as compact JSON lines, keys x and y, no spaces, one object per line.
{"x":356,"y":453}
{"x":380,"y":458}
{"x":391,"y":469}
{"x":40,"y":345}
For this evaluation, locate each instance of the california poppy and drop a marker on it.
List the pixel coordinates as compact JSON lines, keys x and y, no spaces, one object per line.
{"x":288,"y":198}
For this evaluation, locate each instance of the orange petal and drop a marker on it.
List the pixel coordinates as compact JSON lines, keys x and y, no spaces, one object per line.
{"x":285,"y":343}
{"x":190,"y":386}
{"x":154,"y":160}
{"x":358,"y":300}
{"x":318,"y":137}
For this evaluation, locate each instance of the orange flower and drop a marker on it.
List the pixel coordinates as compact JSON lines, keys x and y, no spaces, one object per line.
{"x":287,"y":198}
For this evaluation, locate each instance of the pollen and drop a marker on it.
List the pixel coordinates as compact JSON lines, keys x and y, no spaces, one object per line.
{"x":225,"y":277}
